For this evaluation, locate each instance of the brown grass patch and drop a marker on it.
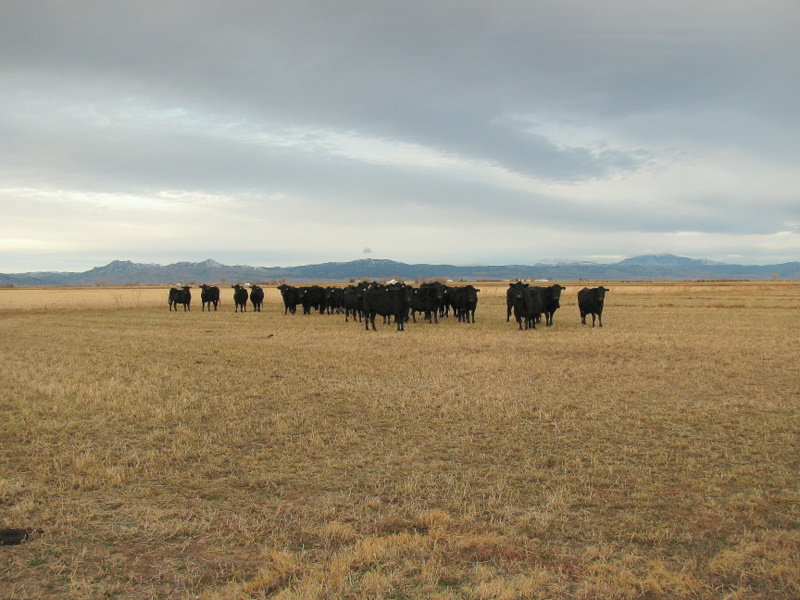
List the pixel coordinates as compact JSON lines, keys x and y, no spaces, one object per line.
{"x":223,"y":455}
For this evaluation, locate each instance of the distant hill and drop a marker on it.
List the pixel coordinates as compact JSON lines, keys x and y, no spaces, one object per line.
{"x":669,"y":260}
{"x":646,"y":267}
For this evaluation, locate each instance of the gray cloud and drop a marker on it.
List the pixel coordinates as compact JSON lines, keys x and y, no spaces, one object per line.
{"x":565,"y":121}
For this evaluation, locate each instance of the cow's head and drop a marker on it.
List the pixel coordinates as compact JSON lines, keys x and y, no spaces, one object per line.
{"x":517,"y":291}
{"x":556,"y":290}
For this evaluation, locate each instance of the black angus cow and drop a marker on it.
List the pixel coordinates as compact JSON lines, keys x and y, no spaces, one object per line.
{"x":528,"y":306}
{"x":590,"y":301}
{"x":551,"y":297}
{"x":291,"y":298}
{"x":388,"y":301}
{"x":353,"y":300}
{"x":256,"y":297}
{"x":312,"y":297}
{"x":334,"y":300}
{"x":180,"y":296}
{"x":239,"y":298}
{"x":447,"y":301}
{"x":514,"y":289}
{"x":465,"y":301}
{"x":209,"y":294}
{"x":427,"y":299}
{"x":515,"y":300}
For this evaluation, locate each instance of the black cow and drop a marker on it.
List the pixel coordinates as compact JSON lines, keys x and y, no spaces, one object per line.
{"x":465,"y":301}
{"x":312,"y":297}
{"x":239,"y":298}
{"x":291,"y":298}
{"x":590,"y":301}
{"x":354,"y":301}
{"x":209,"y":294}
{"x":447,"y":301}
{"x":256,"y":297}
{"x":511,"y":294}
{"x":180,"y":296}
{"x":528,"y":306}
{"x":388,"y":301}
{"x":551,"y":297}
{"x":427,"y":299}
{"x":334,"y":300}
{"x":515,"y":299}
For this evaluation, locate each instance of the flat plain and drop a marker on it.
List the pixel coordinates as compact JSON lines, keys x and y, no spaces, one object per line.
{"x":222,"y":455}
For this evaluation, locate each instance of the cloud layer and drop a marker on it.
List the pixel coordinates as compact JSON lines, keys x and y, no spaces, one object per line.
{"x":276,"y":133}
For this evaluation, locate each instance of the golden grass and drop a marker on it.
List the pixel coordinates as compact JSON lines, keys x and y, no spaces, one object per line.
{"x":242,"y":456}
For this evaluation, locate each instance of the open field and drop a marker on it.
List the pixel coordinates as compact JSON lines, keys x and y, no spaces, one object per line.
{"x":240,"y":456}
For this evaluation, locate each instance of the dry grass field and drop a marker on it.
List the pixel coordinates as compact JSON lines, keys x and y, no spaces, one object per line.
{"x":228,"y":456}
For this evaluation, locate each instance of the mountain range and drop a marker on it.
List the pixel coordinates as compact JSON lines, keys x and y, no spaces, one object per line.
{"x":646,"y":267}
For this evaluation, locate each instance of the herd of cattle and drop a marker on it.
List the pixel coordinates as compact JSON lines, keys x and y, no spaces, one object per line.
{"x":399,"y":302}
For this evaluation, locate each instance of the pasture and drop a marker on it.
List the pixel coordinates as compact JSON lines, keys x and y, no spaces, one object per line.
{"x":236,"y":456}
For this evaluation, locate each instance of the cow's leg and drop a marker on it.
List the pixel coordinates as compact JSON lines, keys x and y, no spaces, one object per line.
{"x":600,"y":319}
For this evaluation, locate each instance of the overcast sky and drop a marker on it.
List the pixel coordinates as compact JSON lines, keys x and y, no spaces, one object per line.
{"x":277,"y":133}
